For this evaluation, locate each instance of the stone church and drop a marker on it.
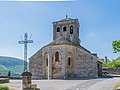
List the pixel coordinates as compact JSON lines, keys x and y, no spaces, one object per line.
{"x":64,"y":57}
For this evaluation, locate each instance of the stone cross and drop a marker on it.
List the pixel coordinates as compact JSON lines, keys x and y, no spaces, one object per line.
{"x":25,"y":42}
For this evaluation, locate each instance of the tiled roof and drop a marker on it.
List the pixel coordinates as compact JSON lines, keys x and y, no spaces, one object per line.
{"x":66,"y":19}
{"x":60,"y":41}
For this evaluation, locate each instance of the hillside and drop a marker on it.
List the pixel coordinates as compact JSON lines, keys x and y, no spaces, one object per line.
{"x":15,"y":65}
{"x":3,"y":70}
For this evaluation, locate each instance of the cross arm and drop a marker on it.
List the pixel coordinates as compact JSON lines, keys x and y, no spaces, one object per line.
{"x":30,"y":41}
{"x":21,"y":42}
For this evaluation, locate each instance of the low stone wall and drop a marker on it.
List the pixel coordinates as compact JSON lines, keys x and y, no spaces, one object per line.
{"x":114,"y":71}
{"x":4,"y":80}
{"x":10,"y":77}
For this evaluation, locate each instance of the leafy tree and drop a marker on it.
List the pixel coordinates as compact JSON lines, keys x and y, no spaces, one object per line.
{"x":116,"y":46}
{"x":111,"y":64}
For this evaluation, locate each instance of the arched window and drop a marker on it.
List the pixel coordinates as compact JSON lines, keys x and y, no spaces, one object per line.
{"x":46,"y":61}
{"x":69,"y":61}
{"x":56,"y":56}
{"x":58,"y":29}
{"x":64,"y":29}
{"x":71,"y":29}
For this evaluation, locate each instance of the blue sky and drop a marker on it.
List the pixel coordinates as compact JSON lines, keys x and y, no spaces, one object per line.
{"x":99,"y":24}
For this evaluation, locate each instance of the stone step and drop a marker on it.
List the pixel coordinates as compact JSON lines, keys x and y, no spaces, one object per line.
{"x":118,"y":88}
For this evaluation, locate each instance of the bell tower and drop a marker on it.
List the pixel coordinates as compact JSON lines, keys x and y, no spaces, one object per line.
{"x":68,"y":29}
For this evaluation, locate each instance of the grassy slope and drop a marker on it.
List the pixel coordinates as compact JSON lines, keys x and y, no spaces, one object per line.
{"x":15,"y":65}
{"x":3,"y":70}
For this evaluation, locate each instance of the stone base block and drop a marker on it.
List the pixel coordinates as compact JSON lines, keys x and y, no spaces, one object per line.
{"x":33,"y":85}
{"x":31,"y":89}
{"x":118,"y":88}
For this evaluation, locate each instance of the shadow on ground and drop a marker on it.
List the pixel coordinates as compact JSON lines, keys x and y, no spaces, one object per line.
{"x":103,"y":77}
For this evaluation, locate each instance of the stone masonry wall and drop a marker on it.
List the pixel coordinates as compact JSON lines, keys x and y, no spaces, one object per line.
{"x":86,"y":64}
{"x":114,"y":71}
{"x":36,"y":65}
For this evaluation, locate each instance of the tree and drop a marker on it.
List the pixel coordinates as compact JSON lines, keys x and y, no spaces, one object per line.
{"x":111,"y":64}
{"x":116,"y":46}
{"x":9,"y":73}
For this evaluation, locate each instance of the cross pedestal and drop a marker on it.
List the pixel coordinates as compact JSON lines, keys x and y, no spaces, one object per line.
{"x":26,"y":82}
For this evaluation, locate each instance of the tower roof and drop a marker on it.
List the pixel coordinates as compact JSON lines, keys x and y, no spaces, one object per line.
{"x":65,"y":19}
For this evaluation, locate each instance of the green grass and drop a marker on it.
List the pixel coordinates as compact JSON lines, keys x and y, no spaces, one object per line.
{"x":4,"y":87}
{"x":116,"y":86}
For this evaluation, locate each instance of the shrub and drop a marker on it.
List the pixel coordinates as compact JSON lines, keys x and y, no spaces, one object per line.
{"x":3,"y":87}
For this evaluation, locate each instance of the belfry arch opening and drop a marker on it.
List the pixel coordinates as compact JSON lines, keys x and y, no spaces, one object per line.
{"x":58,"y":29}
{"x":64,"y":29}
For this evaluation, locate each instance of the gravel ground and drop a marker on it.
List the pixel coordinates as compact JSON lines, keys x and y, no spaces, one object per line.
{"x":108,"y":84}
{"x":87,"y":84}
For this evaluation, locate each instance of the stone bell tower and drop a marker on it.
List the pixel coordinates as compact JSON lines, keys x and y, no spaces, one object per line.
{"x":67,"y":28}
